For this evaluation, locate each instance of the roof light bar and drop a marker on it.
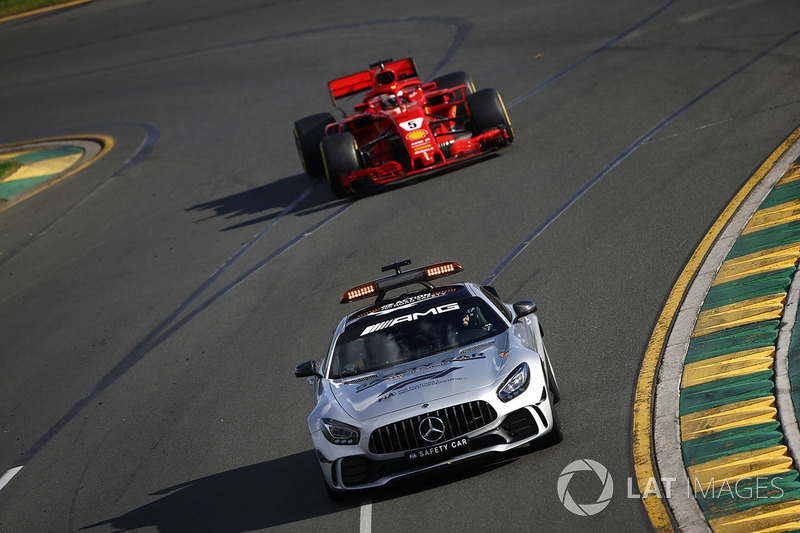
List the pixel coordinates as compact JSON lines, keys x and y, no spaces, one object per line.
{"x":356,"y":293}
{"x":443,"y":269}
{"x":400,"y":279}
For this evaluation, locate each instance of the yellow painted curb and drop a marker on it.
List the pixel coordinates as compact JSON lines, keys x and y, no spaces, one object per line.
{"x":44,"y":168}
{"x":727,"y":366}
{"x":643,"y":399}
{"x":773,"y":216}
{"x":729,"y":416}
{"x":793,"y":174}
{"x":777,"y":258}
{"x":106,"y":143}
{"x":739,"y":314}
{"x":783,"y":516}
{"x":745,"y":465}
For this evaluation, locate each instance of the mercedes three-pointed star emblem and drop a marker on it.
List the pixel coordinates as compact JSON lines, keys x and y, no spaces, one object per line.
{"x":431,"y":429}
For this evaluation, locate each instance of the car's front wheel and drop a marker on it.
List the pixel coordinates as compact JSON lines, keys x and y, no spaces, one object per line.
{"x":487,"y":112}
{"x":340,"y":158}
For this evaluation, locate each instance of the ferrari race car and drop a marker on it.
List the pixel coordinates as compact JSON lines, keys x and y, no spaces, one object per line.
{"x":427,"y":378}
{"x":401,"y":127}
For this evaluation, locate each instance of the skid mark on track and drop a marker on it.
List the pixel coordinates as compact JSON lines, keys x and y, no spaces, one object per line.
{"x":624,"y":155}
{"x":587,"y":57}
{"x":171,"y":324}
{"x":459,"y":27}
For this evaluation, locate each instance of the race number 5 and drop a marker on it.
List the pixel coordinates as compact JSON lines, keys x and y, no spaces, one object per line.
{"x":411,"y":125}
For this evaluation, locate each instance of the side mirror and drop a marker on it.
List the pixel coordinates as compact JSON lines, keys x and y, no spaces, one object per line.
{"x":523,"y":308}
{"x":307,"y":369}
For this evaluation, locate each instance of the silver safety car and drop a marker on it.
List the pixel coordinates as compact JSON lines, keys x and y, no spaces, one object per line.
{"x":426,"y":378}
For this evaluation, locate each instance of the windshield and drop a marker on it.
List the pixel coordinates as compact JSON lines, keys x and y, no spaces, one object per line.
{"x":387,"y":339}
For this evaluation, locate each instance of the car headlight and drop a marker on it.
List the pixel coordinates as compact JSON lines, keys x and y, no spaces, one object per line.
{"x":515,"y":384}
{"x":339,"y":432}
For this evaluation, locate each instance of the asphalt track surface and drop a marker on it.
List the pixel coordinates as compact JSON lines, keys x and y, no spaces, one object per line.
{"x":152,"y":307}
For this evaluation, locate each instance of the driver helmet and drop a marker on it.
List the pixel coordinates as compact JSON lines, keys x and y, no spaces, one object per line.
{"x":388,"y":101}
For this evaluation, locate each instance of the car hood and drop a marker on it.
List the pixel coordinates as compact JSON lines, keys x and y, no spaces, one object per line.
{"x":423,"y":380}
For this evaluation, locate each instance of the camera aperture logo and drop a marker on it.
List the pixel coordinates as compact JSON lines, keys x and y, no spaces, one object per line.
{"x":585,"y":509}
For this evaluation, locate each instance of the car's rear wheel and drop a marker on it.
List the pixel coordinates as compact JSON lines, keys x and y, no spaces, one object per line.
{"x":340,"y":159}
{"x":487,"y":112}
{"x":308,"y":132}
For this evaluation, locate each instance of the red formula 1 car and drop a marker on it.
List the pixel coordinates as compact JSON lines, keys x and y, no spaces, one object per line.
{"x":401,"y":128}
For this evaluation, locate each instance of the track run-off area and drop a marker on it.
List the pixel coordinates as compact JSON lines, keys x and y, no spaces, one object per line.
{"x":154,"y":302}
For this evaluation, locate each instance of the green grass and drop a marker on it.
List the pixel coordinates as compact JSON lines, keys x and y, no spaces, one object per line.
{"x":6,"y":168}
{"x":14,"y":7}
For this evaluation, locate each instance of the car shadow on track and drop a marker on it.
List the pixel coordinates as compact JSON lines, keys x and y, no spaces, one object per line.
{"x":282,"y":491}
{"x":451,"y":474}
{"x":276,"y":196}
{"x":277,"y":492}
{"x":266,"y":202}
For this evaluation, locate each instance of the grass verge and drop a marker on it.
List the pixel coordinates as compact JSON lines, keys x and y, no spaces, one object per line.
{"x":7,"y":167}
{"x":15,"y":7}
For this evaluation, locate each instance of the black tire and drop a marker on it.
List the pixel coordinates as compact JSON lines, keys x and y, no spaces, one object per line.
{"x":340,"y":158}
{"x":454,"y":79}
{"x":308,"y":132}
{"x":487,"y":112}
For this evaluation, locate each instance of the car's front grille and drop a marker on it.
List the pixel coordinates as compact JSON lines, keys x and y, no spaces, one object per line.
{"x":456,"y":421}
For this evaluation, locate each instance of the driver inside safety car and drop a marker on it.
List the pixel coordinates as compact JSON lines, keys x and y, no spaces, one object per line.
{"x":474,"y":319}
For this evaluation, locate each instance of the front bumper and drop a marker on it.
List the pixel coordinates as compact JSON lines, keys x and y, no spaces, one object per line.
{"x":357,"y":467}
{"x":455,"y":153}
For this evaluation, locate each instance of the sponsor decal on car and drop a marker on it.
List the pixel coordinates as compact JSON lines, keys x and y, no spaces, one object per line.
{"x":416,"y":135}
{"x":422,"y":368}
{"x":405,"y":302}
{"x":423,"y":148}
{"x":409,"y":318}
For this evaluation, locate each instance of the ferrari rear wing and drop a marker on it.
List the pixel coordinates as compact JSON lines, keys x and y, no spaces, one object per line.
{"x":383,"y":72}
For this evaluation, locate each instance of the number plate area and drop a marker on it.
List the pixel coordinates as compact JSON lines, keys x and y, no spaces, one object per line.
{"x":439,"y":452}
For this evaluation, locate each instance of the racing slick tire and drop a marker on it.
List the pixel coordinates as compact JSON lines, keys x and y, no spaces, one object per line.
{"x":487,"y":112}
{"x":340,"y":158}
{"x":308,"y":133}
{"x":454,"y":79}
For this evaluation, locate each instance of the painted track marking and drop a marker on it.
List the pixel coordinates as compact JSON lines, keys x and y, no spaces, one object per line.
{"x":8,"y":475}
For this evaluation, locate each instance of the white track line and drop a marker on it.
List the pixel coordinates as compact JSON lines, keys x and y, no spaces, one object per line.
{"x":8,"y":475}
{"x":366,"y":515}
